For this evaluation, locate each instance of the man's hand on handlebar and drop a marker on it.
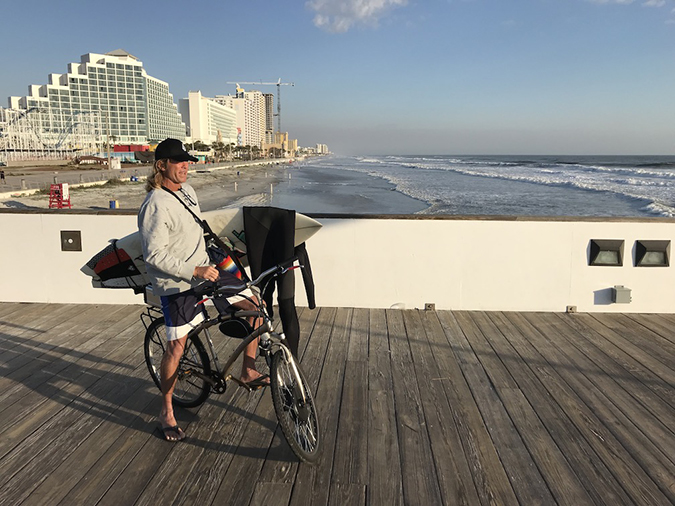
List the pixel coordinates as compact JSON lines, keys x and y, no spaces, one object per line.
{"x":207,"y":272}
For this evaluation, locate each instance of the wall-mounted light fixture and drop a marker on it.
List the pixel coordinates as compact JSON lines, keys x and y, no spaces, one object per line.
{"x":652,"y":253}
{"x":606,"y":252}
{"x":71,"y":240}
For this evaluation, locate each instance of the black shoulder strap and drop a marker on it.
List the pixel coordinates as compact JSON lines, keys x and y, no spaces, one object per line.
{"x":210,"y":235}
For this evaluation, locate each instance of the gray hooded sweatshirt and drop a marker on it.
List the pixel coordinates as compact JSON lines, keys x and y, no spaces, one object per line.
{"x":173,"y":242}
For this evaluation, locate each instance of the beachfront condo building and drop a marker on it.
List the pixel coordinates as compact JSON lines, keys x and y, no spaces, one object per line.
{"x":207,"y":120}
{"x":269,"y":118}
{"x":111,"y":91}
{"x":250,"y":109}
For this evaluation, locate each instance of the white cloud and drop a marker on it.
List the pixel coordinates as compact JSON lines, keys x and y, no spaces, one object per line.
{"x":338,"y":16}
{"x":654,"y":3}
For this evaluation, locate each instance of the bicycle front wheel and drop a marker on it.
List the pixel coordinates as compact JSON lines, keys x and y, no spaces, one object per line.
{"x":297,"y":414}
{"x":191,"y":390}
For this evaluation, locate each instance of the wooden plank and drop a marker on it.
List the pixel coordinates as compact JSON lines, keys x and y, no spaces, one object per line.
{"x":147,"y":478}
{"x":312,"y":484}
{"x":571,"y":469}
{"x":33,"y":328}
{"x":205,"y":435}
{"x":77,"y":468}
{"x":530,"y":370}
{"x":420,"y":481}
{"x":7,"y":308}
{"x":281,"y":465}
{"x":271,"y":493}
{"x":347,"y":493}
{"x":43,"y":362}
{"x":641,"y":337}
{"x":648,"y":441}
{"x":587,"y":411}
{"x":656,"y":323}
{"x":42,"y":404}
{"x":452,"y":468}
{"x":643,"y":356}
{"x":62,"y":339}
{"x":87,"y":431}
{"x":379,"y":360}
{"x":238,"y":483}
{"x":207,"y":476}
{"x":627,"y":388}
{"x":385,"y":484}
{"x":358,"y":338}
{"x":476,"y":358}
{"x":624,"y":359}
{"x":48,"y":449}
{"x":351,"y":449}
{"x":490,"y":478}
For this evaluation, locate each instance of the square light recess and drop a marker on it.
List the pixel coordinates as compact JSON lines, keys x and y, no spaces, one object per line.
{"x":606,"y":252}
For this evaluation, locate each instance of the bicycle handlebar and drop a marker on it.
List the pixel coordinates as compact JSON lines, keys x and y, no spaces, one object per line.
{"x":211,"y":289}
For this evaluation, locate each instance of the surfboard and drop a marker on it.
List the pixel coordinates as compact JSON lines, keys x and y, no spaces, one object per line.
{"x":120,"y":264}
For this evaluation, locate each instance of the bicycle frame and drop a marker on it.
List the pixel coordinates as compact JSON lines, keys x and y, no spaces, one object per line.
{"x":270,"y":341}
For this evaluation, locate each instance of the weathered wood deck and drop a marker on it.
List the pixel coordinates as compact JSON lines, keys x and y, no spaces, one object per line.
{"x":416,"y":408}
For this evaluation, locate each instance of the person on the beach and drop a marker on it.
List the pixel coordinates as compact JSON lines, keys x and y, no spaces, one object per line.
{"x":2,"y":177}
{"x":175,"y":254}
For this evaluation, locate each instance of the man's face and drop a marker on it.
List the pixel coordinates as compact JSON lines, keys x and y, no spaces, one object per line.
{"x":176,"y":171}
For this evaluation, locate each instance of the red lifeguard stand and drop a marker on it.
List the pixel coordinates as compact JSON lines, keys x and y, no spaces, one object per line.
{"x":59,"y":197}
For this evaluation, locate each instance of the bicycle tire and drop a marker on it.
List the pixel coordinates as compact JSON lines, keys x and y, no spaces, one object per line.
{"x":299,"y":422}
{"x":190,"y":390}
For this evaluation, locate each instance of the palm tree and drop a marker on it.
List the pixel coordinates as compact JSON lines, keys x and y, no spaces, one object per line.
{"x":218,"y":148}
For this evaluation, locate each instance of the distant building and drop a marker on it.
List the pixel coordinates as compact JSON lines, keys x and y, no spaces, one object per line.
{"x":207,"y":120}
{"x":269,"y":118}
{"x":321,"y":149}
{"x":129,"y":106}
{"x":251,"y":114}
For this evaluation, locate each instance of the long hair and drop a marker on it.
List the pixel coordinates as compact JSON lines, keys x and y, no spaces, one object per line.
{"x":156,"y":179}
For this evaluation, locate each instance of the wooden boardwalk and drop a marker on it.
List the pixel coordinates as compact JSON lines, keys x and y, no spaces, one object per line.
{"x":417,"y":408}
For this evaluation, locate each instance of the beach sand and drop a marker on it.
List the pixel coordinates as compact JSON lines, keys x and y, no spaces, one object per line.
{"x":223,"y":187}
{"x":304,"y":186}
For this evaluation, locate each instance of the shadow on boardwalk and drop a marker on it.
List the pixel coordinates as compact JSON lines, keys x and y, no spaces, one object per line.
{"x":415,"y":408}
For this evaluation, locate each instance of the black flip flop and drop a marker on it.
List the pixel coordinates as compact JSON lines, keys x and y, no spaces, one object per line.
{"x":170,"y":431}
{"x":256,"y":384}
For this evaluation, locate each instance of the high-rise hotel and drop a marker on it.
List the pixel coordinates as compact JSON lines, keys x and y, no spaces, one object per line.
{"x":127,"y":105}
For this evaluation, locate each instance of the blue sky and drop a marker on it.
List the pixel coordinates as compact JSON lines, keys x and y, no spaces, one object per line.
{"x":392,"y":76}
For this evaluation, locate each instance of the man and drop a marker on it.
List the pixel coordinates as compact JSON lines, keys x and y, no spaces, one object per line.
{"x":175,"y":254}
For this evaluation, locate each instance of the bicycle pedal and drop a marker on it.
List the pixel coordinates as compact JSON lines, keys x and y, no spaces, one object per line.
{"x":239,"y":382}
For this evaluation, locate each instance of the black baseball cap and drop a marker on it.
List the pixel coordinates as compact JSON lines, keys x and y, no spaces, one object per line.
{"x":173,"y":149}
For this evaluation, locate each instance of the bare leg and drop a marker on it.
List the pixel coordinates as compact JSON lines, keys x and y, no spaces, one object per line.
{"x":169,"y":374}
{"x":248,"y":370}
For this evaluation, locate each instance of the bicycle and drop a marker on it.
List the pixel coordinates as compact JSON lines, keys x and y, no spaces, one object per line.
{"x":200,"y":373}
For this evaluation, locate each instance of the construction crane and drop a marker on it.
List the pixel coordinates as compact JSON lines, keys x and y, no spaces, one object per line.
{"x":278,"y":84}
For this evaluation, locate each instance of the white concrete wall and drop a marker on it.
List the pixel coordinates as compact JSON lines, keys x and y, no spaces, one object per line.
{"x":471,"y":264}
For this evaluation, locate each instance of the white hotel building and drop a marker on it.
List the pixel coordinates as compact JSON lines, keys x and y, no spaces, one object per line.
{"x":251,"y":113}
{"x":207,"y":120}
{"x":129,"y":105}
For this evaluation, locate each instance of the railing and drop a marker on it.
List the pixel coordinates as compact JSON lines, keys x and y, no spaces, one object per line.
{"x":468,"y":263}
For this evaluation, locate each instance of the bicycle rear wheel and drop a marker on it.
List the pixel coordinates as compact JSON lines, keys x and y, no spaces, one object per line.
{"x":297,"y":416}
{"x":190,"y":390}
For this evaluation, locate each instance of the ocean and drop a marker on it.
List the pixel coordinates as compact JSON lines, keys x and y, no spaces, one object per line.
{"x":624,"y":186}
